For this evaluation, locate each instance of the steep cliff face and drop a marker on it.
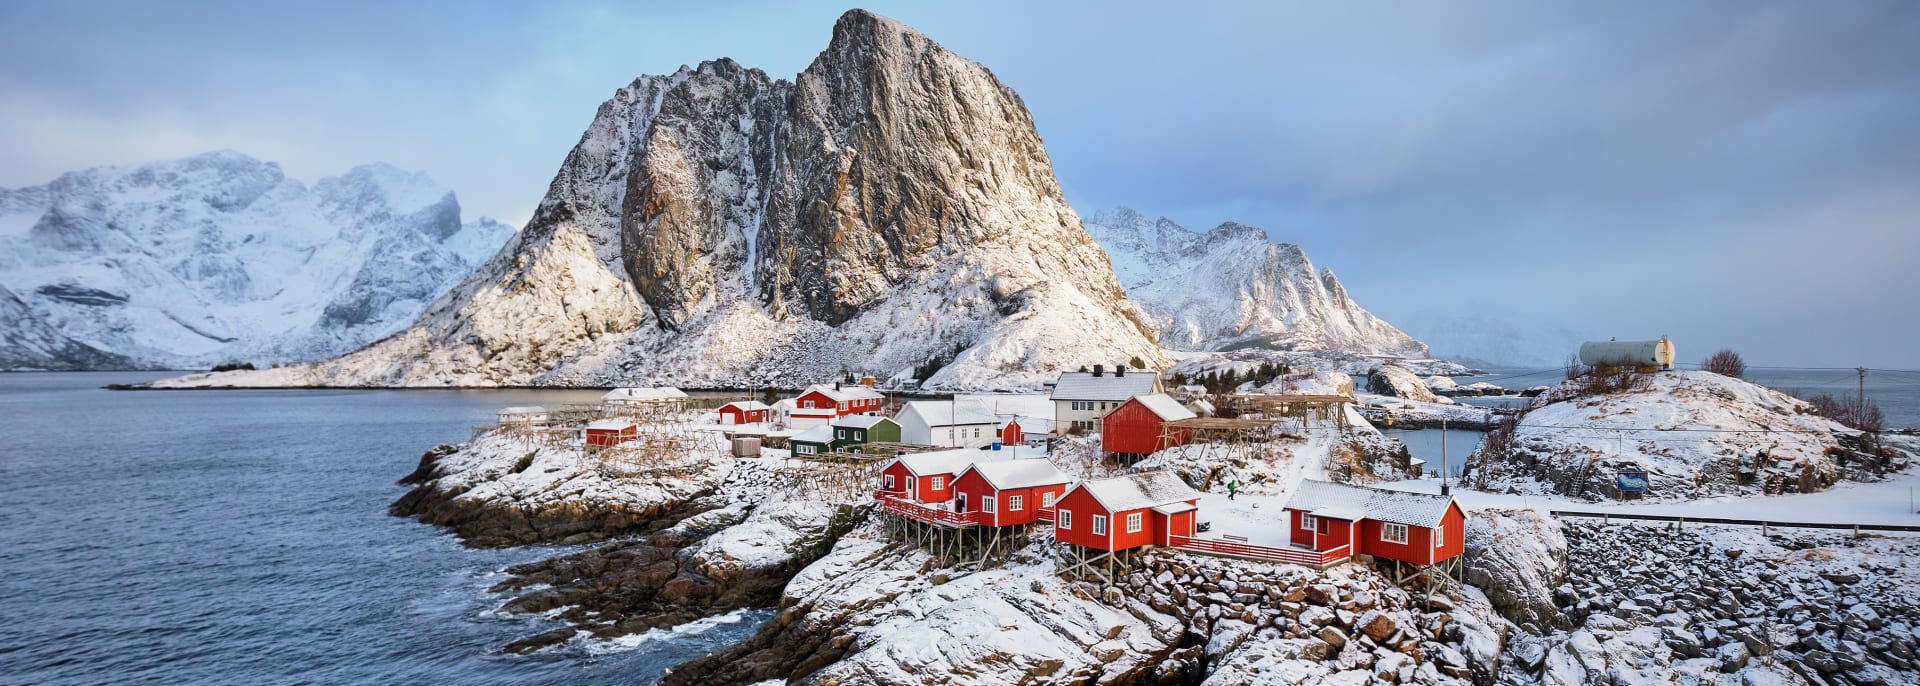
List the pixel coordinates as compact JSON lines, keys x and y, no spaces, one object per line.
{"x":1231,"y":288}
{"x":891,"y":206}
{"x":221,"y":257}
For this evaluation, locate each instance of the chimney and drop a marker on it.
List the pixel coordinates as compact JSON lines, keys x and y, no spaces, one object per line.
{"x":1099,"y":370}
{"x":836,"y":385}
{"x":1119,"y":370}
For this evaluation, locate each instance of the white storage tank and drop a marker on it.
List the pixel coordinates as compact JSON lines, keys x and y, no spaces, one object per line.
{"x":1644,"y":354}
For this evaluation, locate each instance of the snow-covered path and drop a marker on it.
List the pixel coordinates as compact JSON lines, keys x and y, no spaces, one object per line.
{"x":1886,"y":502}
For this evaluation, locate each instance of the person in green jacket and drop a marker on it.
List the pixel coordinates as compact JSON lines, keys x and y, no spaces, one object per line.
{"x":1233,"y":488}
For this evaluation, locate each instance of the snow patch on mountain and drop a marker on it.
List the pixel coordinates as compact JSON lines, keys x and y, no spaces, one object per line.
{"x":1232,"y":288}
{"x":221,"y":257}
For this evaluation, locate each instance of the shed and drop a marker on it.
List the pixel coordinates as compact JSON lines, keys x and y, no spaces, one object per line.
{"x":610,"y":432}
{"x":531,"y":415}
{"x":745,"y":412}
{"x":926,"y":477}
{"x":1124,"y":512}
{"x":1010,"y":492}
{"x":856,"y":430}
{"x":1416,"y":528}
{"x":1139,"y":426}
{"x":951,"y":423}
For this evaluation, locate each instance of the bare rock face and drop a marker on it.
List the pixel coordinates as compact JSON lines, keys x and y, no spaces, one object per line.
{"x":890,"y":207}
{"x":1518,"y":558}
{"x":1399,"y":382}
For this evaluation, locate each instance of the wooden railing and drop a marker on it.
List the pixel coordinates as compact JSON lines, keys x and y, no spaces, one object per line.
{"x":1046,"y":514}
{"x":1299,"y":556}
{"x":932,"y":515}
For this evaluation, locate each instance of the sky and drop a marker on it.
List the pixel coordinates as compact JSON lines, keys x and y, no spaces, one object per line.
{"x":1730,"y":174}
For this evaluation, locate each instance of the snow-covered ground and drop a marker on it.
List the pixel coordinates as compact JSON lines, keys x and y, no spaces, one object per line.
{"x":1891,"y":501}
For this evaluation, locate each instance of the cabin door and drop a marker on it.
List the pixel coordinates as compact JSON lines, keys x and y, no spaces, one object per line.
{"x":960,"y":503}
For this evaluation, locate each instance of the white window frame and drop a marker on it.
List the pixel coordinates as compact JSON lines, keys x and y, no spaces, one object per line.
{"x":840,"y":433}
{"x":1135,"y":522}
{"x":809,"y":405}
{"x":889,"y":482}
{"x":1046,"y":498}
{"x":1016,"y":503}
{"x":1386,"y":533}
{"x":1064,"y":520}
{"x":986,"y":503}
{"x":1099,"y":525}
{"x":960,"y":500}
{"x":1439,"y":535}
{"x":938,"y":483}
{"x":1306,"y":522}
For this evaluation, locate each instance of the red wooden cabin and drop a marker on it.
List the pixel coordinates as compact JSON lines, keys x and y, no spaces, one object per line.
{"x":1137,"y":426}
{"x":1009,"y":492}
{"x":1416,"y":528}
{"x":842,"y":400}
{"x":745,"y":412}
{"x":1126,"y":512}
{"x":925,"y":477}
{"x":610,"y":432}
{"x":1011,"y":434}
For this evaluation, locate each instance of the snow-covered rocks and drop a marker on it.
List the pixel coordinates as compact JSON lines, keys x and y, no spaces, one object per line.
{"x":220,"y":257}
{"x":1518,"y":558}
{"x":1695,"y":433}
{"x":1399,"y":382}
{"x":1232,"y":287}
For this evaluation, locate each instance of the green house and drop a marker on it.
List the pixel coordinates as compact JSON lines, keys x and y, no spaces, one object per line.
{"x":853,"y":431}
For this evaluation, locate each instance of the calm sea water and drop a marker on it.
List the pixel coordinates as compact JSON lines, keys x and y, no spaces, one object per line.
{"x":242,"y":537}
{"x":1897,"y":394}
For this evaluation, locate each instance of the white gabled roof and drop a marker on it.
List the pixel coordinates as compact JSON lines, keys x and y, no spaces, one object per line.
{"x":1165,"y":407}
{"x":1137,"y":491}
{"x":1176,"y":508}
{"x":1005,"y":474}
{"x":747,"y":405}
{"x":860,"y":421}
{"x":524,"y":409}
{"x":613,"y":424}
{"x":1341,"y":501}
{"x":1086,"y":386}
{"x":950,"y":462}
{"x":818,"y":434}
{"x":948,"y":413}
{"x":643,"y":394}
{"x":784,"y":404}
{"x":845,"y":392}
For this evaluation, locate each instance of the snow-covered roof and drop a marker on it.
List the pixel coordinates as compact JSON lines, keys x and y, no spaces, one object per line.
{"x":844,"y":393}
{"x":644,"y":394}
{"x":747,"y":405}
{"x":1176,"y":508}
{"x":784,"y":404}
{"x":941,"y":461}
{"x":613,"y":424}
{"x":1005,"y":474}
{"x":860,"y":421}
{"x":1342,"y":501}
{"x":1142,"y":490}
{"x":818,"y":434}
{"x":1165,"y":407}
{"x":1108,"y":386}
{"x":1201,"y":407}
{"x":950,"y":413}
{"x":524,"y":409}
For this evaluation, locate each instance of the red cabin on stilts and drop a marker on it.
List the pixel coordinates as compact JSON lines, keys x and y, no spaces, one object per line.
{"x":611,"y":432}
{"x":1137,"y":427}
{"x":1416,"y":528}
{"x":1010,"y":492}
{"x":1126,"y":512}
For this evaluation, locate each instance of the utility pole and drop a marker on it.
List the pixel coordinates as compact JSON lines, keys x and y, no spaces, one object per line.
{"x":1860,"y":413}
{"x":1443,"y":456}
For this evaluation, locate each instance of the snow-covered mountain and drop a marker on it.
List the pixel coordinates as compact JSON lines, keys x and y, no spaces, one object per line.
{"x":891,"y":205}
{"x":220,"y":257}
{"x":1232,"y":287}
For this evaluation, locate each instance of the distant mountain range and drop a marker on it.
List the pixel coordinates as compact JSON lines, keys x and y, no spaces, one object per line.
{"x":220,"y":257}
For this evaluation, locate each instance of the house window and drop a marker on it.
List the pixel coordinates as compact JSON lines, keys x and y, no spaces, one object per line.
{"x":889,"y":482}
{"x":1133,"y":523}
{"x":1066,"y":520}
{"x":1393,"y":533}
{"x":1099,"y":525}
{"x":986,"y":503}
{"x":1016,"y":503}
{"x":938,"y":483}
{"x":807,"y":404}
{"x":1046,"y":499}
{"x":840,"y":433}
{"x":1439,"y":535}
{"x":1306,"y":521}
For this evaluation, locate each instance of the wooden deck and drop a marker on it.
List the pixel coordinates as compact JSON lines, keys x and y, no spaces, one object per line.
{"x":1298,"y":556}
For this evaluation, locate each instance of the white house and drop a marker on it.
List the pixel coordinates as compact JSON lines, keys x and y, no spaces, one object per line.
{"x":946,"y":423}
{"x":1034,"y":412}
{"x":1081,"y":399}
{"x":657,"y":398}
{"x":532,"y":415}
{"x":783,"y":411}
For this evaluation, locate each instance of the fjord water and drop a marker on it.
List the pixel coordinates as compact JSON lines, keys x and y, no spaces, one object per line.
{"x":242,"y":537}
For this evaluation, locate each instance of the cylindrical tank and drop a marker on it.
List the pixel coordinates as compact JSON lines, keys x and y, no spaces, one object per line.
{"x":1656,"y":354}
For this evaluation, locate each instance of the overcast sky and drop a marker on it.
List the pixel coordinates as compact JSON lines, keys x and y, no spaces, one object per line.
{"x":1742,"y":174}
